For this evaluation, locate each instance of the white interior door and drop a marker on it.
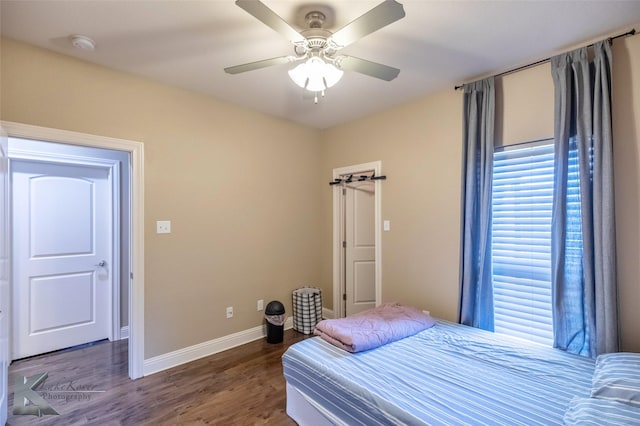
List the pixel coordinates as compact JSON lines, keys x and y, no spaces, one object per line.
{"x":4,"y":279}
{"x":360,"y":260}
{"x":62,"y":249}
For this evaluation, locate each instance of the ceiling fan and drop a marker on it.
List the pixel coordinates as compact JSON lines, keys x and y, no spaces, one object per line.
{"x":317,"y":48}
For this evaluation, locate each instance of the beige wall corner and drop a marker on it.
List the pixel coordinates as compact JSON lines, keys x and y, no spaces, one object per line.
{"x":240,"y":188}
{"x":626,"y":145}
{"x":419,"y":147}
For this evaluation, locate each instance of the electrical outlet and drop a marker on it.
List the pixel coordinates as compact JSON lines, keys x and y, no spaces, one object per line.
{"x":163,"y":227}
{"x":260,"y":304}
{"x":229,"y":312}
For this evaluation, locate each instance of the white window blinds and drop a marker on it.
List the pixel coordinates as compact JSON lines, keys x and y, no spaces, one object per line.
{"x":521,"y":242}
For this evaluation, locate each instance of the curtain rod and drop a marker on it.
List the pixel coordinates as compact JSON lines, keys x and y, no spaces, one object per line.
{"x":542,"y":61}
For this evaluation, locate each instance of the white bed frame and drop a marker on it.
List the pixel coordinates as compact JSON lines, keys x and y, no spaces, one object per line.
{"x":305,"y":412}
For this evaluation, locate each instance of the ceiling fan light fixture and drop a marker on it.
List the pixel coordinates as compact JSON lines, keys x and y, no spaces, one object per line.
{"x":315,"y":75}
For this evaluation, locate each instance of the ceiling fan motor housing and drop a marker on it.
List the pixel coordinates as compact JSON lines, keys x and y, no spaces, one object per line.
{"x":316,"y":37}
{"x":315,"y":19}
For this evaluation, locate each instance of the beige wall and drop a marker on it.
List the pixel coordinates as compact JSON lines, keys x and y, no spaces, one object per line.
{"x":419,"y":146}
{"x":239,"y":187}
{"x":626,"y":145}
{"x":238,"y":236}
{"x":524,"y":106}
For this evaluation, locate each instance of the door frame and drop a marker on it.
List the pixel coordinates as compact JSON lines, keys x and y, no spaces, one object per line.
{"x":338,"y":229}
{"x":18,"y":155}
{"x":5,"y":275}
{"x":136,"y":283}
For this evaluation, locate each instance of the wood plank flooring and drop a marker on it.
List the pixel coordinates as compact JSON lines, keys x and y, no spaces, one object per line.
{"x":90,"y":386}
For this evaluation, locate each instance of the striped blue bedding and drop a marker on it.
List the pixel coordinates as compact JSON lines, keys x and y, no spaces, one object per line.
{"x":449,"y":374}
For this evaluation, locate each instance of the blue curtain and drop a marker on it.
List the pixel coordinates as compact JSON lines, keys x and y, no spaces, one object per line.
{"x":476,"y":300}
{"x":583,"y":229}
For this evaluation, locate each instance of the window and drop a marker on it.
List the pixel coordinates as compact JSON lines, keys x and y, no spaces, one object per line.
{"x":521,"y":237}
{"x":521,"y":241}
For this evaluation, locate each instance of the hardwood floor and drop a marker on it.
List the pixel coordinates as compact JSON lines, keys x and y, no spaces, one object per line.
{"x":90,"y":386}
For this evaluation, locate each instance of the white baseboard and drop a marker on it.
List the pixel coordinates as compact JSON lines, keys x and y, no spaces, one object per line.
{"x":327,"y":313}
{"x":124,"y":332}
{"x":201,"y":350}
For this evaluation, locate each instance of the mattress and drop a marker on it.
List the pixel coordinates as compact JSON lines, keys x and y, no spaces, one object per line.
{"x":449,"y":374}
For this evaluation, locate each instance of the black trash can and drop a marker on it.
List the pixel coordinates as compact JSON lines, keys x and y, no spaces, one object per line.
{"x":274,"y":314}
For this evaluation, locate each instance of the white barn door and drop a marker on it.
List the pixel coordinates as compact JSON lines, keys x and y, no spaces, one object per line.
{"x":62,"y":218}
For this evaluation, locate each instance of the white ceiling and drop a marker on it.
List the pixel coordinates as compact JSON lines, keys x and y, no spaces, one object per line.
{"x":437,"y":45}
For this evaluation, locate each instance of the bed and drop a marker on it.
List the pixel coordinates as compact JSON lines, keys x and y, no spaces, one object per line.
{"x":448,"y":374}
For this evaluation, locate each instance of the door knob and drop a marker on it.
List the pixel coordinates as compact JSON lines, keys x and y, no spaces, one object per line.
{"x":102,"y":263}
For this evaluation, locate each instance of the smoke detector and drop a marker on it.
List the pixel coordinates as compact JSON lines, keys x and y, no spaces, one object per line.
{"x":82,"y":42}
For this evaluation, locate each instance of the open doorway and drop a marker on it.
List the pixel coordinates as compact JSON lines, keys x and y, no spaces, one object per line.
{"x":134,"y":252}
{"x":357,"y":283}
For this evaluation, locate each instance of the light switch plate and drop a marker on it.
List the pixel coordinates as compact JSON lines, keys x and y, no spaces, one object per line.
{"x":386,"y":225}
{"x":163,"y":227}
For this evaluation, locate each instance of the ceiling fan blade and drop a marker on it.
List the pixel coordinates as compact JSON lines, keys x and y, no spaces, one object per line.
{"x":380,"y":16}
{"x":268,"y":17}
{"x":237,"y":69}
{"x":373,"y":69}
